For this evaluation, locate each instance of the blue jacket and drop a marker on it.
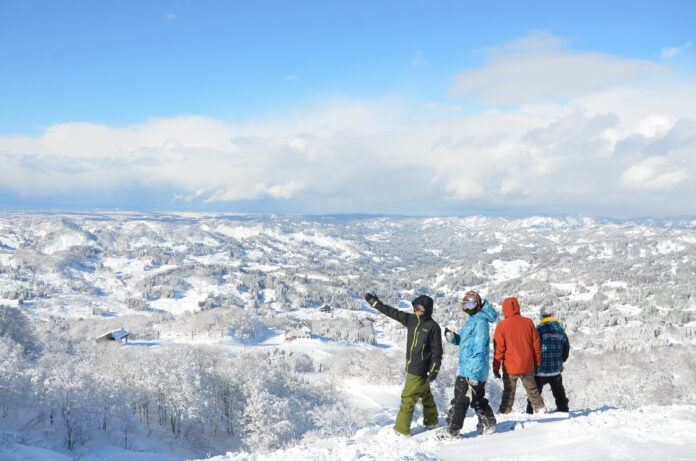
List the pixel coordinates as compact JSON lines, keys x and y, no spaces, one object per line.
{"x":555,"y":347}
{"x":473,"y":340}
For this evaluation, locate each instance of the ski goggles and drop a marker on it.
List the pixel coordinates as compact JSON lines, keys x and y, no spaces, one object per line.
{"x":470,"y":305}
{"x":418,"y":308}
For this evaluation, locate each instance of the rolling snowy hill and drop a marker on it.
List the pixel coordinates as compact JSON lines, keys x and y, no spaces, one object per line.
{"x":211,"y":299}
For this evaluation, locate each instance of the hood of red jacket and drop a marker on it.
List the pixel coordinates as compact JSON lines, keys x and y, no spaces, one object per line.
{"x":511,"y":306}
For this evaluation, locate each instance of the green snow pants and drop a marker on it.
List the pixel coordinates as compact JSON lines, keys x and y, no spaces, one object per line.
{"x":415,"y":389}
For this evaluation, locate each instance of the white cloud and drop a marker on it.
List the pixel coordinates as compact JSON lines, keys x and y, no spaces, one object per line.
{"x":623,"y":149}
{"x":672,"y":51}
{"x":655,"y":173}
{"x":539,"y":69}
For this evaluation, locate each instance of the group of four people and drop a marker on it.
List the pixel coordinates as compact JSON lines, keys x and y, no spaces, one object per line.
{"x":535,"y":355}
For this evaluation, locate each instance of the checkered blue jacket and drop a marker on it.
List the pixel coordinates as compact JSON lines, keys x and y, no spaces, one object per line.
{"x":555,"y":347}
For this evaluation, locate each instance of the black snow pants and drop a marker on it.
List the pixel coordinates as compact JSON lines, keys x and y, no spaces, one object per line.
{"x":556,"y":383}
{"x":469,"y":392}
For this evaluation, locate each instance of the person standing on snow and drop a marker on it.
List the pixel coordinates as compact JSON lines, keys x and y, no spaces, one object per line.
{"x":555,"y":349}
{"x":517,"y":348}
{"x":423,"y":358}
{"x":473,"y":340}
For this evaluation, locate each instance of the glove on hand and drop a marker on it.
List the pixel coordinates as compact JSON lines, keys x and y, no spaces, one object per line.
{"x":372,"y":300}
{"x":430,"y":377}
{"x":496,"y":374}
{"x":449,"y":335}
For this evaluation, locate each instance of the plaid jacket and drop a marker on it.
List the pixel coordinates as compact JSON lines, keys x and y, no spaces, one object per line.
{"x":554,"y":347}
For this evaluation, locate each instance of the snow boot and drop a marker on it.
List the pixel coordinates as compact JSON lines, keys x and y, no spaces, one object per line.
{"x":490,"y":430}
{"x":431,"y":425}
{"x":485,"y":429}
{"x":444,"y":434}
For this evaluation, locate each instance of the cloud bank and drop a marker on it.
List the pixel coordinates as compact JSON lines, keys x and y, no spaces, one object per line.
{"x":562,"y":131}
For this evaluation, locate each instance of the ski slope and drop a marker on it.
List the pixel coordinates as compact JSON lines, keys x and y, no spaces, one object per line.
{"x":650,"y":433}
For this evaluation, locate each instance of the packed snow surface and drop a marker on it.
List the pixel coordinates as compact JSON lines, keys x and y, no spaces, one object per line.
{"x":651,"y":433}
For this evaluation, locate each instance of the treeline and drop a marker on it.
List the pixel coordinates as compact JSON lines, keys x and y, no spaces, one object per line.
{"x":203,"y":396}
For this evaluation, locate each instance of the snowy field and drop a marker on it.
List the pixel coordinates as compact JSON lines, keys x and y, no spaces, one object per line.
{"x":651,"y":433}
{"x":212,"y":302}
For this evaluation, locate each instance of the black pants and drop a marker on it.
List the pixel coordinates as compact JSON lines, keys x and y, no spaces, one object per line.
{"x":556,"y":383}
{"x":469,"y":392}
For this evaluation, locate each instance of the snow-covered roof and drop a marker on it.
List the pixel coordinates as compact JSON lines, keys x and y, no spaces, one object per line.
{"x":119,"y":334}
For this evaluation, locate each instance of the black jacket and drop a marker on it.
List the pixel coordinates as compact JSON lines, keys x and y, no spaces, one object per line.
{"x":424,"y":339}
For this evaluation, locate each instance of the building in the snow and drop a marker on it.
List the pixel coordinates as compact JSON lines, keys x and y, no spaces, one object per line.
{"x":116,"y":335}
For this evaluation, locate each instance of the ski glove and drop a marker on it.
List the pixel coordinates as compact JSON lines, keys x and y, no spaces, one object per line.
{"x":372,"y":300}
{"x":496,"y":373}
{"x":430,"y":377}
{"x":449,"y":335}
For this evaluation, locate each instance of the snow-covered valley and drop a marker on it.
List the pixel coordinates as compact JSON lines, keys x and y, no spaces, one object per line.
{"x":212,"y":301}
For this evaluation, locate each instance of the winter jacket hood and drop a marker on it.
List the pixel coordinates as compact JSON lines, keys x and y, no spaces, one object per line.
{"x":473,"y":340}
{"x":487,"y":312}
{"x":516,"y":341}
{"x":511,"y":306}
{"x":427,"y":302}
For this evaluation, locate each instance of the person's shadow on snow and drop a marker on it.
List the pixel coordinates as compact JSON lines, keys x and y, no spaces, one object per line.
{"x":507,"y":426}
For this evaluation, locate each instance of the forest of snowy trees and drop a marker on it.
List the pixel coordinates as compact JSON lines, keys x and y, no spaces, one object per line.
{"x":185,"y":285}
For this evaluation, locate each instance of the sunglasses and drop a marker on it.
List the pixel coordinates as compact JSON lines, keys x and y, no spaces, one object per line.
{"x":469,"y":305}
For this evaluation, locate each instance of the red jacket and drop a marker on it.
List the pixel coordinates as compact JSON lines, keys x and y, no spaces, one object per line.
{"x":516,"y":341}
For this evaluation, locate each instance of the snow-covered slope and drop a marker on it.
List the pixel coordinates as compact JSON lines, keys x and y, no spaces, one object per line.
{"x":650,"y":433}
{"x":212,"y":299}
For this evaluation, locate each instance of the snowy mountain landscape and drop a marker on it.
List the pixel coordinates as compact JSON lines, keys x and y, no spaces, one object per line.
{"x":248,"y":337}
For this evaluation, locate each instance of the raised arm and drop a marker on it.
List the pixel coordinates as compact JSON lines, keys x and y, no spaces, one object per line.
{"x":396,"y":314}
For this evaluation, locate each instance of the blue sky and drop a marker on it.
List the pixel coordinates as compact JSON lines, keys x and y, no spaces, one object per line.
{"x":329,"y":107}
